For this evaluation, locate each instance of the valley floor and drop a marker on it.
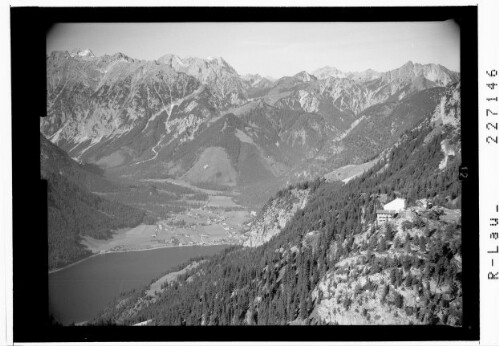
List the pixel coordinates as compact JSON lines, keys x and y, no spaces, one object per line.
{"x":216,"y":221}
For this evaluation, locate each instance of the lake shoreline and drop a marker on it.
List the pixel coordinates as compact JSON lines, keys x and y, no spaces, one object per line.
{"x":80,"y":292}
{"x":105,"y":252}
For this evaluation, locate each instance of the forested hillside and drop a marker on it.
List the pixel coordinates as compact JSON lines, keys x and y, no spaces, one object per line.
{"x":332,"y":263}
{"x":74,"y":211}
{"x":88,"y":175}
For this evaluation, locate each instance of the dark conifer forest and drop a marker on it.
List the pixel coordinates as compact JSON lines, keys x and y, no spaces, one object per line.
{"x":74,"y":211}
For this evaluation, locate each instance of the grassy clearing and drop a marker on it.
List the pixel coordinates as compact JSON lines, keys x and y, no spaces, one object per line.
{"x":348,"y":172}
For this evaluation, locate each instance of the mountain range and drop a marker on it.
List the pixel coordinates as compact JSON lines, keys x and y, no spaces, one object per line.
{"x":150,"y":119}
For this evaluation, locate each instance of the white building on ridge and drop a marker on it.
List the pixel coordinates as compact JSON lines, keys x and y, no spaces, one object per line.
{"x":398,"y":204}
{"x":390,"y":210}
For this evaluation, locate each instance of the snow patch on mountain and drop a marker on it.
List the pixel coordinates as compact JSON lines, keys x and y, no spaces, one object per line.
{"x":82,"y":53}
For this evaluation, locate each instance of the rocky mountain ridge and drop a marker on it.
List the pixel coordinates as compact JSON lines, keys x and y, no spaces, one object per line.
{"x":133,"y":117}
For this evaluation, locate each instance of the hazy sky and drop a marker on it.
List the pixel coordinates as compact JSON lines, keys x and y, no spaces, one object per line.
{"x":274,"y":49}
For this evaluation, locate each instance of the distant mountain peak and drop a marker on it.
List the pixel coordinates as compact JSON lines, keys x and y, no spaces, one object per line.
{"x":251,"y":76}
{"x":197,"y":63}
{"x":304,"y":76}
{"x":123,"y":57}
{"x":437,"y":74}
{"x":218,"y":59}
{"x":82,"y":53}
{"x":328,"y":68}
{"x":220,"y":62}
{"x":328,"y":71}
{"x":409,"y":63}
{"x":169,"y":58}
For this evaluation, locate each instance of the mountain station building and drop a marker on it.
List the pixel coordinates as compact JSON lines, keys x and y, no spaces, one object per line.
{"x":390,"y":210}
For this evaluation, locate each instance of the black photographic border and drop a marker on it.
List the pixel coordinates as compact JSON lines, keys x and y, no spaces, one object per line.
{"x":29,"y":26}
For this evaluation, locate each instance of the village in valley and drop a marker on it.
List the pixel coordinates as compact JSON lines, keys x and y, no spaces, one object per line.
{"x":198,"y":226}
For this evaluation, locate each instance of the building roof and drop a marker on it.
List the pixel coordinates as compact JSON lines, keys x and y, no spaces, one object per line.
{"x":396,"y":204}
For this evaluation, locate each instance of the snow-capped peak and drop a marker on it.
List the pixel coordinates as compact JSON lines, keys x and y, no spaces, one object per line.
{"x":82,"y":53}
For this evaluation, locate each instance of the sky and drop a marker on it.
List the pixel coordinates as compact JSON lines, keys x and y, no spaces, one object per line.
{"x":272,"y":49}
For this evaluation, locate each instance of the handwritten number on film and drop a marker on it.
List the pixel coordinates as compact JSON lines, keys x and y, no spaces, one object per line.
{"x":494,"y":235}
{"x":493,"y":221}
{"x":490,"y":125}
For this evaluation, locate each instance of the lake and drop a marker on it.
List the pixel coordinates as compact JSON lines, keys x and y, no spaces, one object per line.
{"x":78,"y":293}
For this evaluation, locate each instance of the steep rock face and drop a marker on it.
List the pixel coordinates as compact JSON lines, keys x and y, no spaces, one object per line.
{"x":223,"y":80}
{"x":447,"y":119}
{"x":355,"y":92}
{"x":376,"y":128}
{"x":449,"y":111}
{"x":275,"y":215}
{"x":104,"y":99}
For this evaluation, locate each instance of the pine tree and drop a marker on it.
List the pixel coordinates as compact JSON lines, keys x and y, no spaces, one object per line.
{"x":399,"y":301}
{"x":393,"y":276}
{"x":408,"y":280}
{"x":398,"y":278}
